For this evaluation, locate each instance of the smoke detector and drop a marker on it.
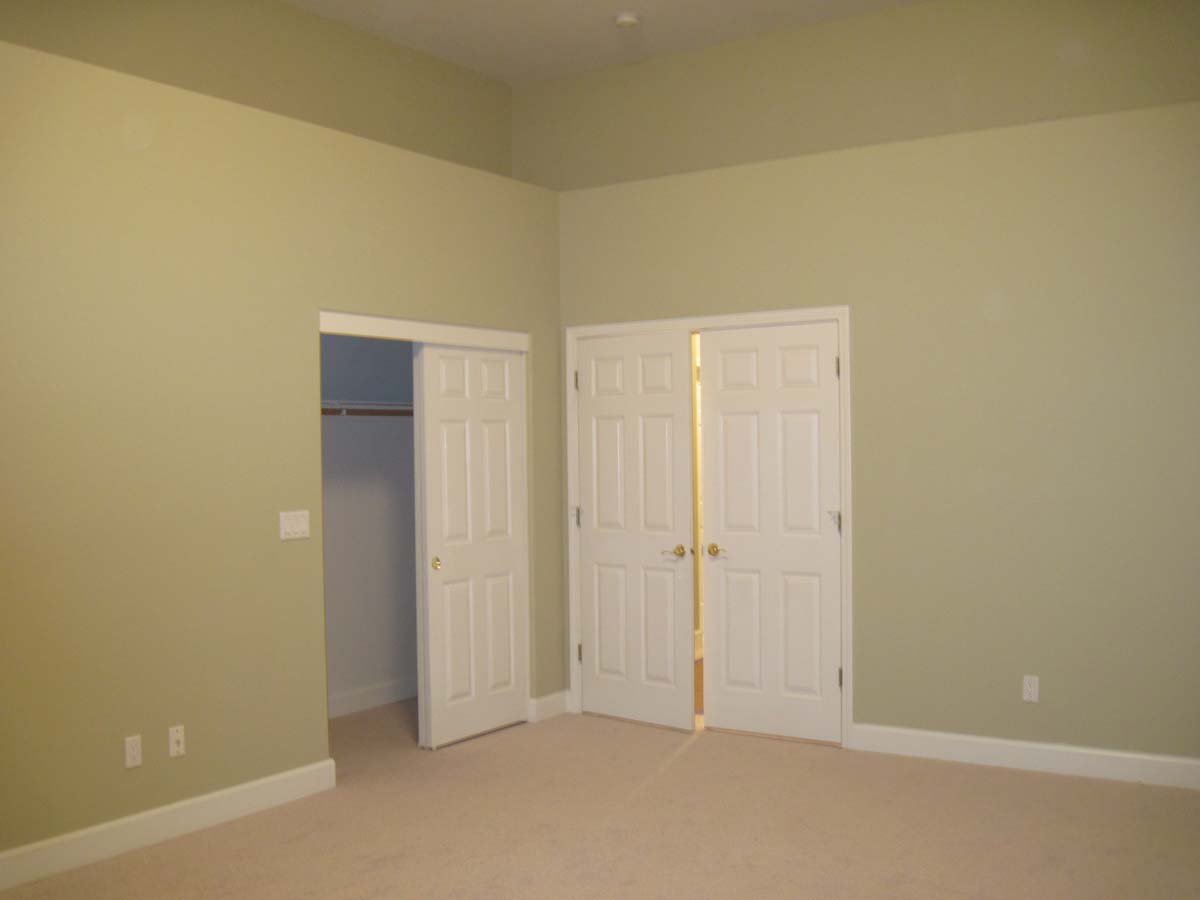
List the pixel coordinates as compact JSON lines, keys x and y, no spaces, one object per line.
{"x":628,"y":20}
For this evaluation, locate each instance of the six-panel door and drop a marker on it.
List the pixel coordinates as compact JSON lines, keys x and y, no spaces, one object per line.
{"x":636,"y":497}
{"x":771,"y":488}
{"x":476,"y":617}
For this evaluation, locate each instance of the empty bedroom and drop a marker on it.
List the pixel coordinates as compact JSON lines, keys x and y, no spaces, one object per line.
{"x":640,"y":449}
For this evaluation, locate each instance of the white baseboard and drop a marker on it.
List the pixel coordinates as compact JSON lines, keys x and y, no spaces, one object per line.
{"x":544,"y":707}
{"x":343,"y":703}
{"x":78,"y":848}
{"x":1061,"y":759}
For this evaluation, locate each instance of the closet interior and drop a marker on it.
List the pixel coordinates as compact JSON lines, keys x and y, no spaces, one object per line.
{"x":369,"y":522}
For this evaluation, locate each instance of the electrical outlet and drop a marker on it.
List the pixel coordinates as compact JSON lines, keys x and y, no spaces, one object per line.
{"x":175,"y":744}
{"x":293,"y":525}
{"x":1029,"y":689}
{"x":133,"y":751}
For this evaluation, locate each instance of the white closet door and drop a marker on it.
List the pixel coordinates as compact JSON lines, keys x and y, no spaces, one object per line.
{"x":475,"y":565}
{"x":636,"y":524}
{"x":772,"y":585}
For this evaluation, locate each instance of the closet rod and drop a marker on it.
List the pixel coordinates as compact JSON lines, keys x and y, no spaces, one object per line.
{"x":362,"y":411}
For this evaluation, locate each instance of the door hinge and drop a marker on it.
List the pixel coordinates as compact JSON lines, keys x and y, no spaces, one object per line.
{"x":837,"y":366}
{"x":579,"y":652}
{"x":578,"y":517}
{"x":839,"y":676}
{"x":836,"y":515}
{"x":576,"y":379}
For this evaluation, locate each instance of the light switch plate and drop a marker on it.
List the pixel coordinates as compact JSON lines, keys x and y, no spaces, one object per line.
{"x":293,"y":525}
{"x":133,"y":751}
{"x":175,"y":741}
{"x":1030,"y":688}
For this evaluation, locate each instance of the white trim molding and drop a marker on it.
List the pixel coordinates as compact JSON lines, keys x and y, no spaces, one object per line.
{"x":356,"y":325}
{"x":1060,"y":759}
{"x":548,"y":706}
{"x":796,"y":316}
{"x":78,"y":848}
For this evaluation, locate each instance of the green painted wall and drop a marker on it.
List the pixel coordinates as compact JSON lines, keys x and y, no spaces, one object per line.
{"x":1025,"y":330}
{"x":926,"y":69}
{"x":163,"y":257}
{"x":277,"y":57}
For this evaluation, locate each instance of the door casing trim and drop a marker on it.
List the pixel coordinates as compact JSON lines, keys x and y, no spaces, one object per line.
{"x":800,"y":316}
{"x":356,"y":325}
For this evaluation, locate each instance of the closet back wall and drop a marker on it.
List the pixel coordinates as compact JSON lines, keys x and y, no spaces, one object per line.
{"x":367,"y":488}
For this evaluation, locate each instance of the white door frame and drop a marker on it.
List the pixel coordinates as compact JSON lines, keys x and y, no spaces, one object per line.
{"x":355,"y":325}
{"x":575,"y":333}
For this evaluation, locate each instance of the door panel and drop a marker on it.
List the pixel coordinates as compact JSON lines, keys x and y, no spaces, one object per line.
{"x":608,"y":482}
{"x":475,"y":618}
{"x":658,"y":626}
{"x":460,"y":640}
{"x":801,"y":446}
{"x":656,"y":458}
{"x":455,"y":482}
{"x":610,"y":620}
{"x":498,"y":487}
{"x":501,"y":628}
{"x":738,"y":450}
{"x":771,"y":488}
{"x":635,"y":469}
{"x":801,"y":634}
{"x":741,"y":605}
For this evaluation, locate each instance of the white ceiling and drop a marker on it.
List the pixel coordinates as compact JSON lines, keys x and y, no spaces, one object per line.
{"x":526,"y":41}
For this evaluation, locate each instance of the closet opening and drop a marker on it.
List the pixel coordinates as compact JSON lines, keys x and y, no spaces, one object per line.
{"x":367,"y":481}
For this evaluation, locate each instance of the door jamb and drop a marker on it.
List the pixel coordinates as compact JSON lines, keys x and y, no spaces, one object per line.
{"x":799,"y":316}
{"x":421,"y":333}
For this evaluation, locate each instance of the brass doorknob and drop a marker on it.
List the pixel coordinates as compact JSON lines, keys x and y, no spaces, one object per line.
{"x":680,"y":550}
{"x":437,"y":563}
{"x":715,"y":550}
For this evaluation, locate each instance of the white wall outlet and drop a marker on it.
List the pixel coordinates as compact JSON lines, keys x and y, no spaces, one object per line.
{"x":1029,"y":689}
{"x":175,"y":744}
{"x":293,"y":525}
{"x":133,"y":751}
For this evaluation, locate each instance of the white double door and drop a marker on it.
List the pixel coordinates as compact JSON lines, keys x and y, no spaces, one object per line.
{"x":473,"y":569}
{"x":771,"y":501}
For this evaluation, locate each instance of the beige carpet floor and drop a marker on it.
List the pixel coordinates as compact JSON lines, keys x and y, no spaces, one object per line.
{"x":580,"y":806}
